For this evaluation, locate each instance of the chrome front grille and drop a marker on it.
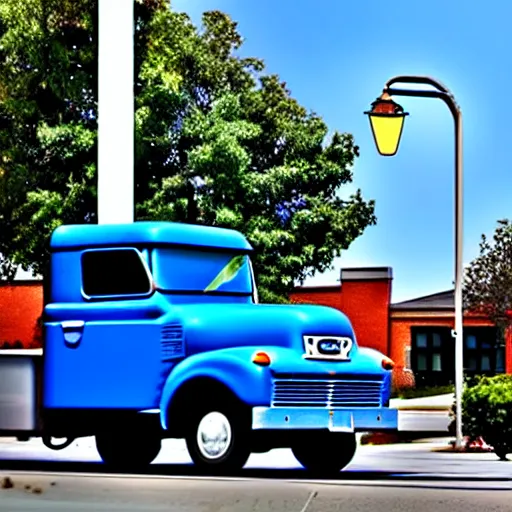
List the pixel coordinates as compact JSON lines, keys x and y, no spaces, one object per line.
{"x":328,"y":393}
{"x":172,"y":342}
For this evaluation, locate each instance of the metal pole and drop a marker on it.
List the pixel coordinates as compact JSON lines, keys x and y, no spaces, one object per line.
{"x":459,"y":318}
{"x":115,"y":112}
{"x":443,"y":93}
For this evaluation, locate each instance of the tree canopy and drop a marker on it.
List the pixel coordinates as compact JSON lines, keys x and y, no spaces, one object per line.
{"x":488,"y":279}
{"x":218,"y":141}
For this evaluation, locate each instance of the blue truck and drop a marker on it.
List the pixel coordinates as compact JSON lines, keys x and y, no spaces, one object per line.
{"x":153,"y":330}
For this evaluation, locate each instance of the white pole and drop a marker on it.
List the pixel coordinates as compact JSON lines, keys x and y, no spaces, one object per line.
{"x":459,"y":277}
{"x":115,"y":112}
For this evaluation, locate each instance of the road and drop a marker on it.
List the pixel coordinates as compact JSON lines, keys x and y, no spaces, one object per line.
{"x":55,"y":493}
{"x":393,"y":478}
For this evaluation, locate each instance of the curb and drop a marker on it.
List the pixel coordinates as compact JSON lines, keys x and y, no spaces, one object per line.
{"x":422,"y":408}
{"x":404,"y":437}
{"x":452,"y":449}
{"x":379,"y":438}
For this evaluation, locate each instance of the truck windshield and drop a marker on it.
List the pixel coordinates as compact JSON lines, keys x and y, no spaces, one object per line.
{"x":184,"y":270}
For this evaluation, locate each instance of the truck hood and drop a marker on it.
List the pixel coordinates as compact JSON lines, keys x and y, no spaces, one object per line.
{"x":215,"y":326}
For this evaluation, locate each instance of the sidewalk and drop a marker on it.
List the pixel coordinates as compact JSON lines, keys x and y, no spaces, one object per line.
{"x":418,"y":418}
{"x":429,"y":403}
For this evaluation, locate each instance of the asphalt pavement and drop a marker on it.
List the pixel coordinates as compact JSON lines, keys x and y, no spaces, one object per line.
{"x":393,"y":478}
{"x":98,"y":493}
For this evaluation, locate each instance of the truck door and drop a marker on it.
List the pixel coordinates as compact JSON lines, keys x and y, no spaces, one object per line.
{"x":105,"y":350}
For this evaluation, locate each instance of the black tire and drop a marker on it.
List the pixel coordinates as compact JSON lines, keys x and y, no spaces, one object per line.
{"x":501,"y":452}
{"x":500,"y":448}
{"x":128,"y":453}
{"x":326,"y":453}
{"x":231,"y":423}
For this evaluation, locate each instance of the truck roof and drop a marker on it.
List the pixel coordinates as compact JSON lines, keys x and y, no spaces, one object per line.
{"x":151,"y":233}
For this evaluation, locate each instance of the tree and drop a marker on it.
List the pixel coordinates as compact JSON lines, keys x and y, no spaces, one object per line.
{"x":47,"y":144}
{"x":218,"y":141}
{"x":488,"y":279}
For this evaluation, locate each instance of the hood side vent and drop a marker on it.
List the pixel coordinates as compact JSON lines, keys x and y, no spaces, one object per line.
{"x":172,"y":342}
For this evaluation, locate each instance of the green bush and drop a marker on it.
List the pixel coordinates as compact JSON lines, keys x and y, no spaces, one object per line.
{"x":487,"y":412}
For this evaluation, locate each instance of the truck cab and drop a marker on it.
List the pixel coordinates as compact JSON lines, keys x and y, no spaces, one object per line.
{"x":153,"y":330}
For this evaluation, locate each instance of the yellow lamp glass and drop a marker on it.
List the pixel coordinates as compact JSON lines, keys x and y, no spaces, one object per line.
{"x":387,"y":131}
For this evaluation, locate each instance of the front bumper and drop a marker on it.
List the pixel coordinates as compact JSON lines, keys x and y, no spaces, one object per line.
{"x":335,"y":420}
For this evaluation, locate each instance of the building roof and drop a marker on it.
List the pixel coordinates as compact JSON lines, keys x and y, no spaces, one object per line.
{"x":436,"y":301}
{"x":366,"y":273}
{"x":350,"y":274}
{"x":319,"y":288}
{"x":147,"y":233}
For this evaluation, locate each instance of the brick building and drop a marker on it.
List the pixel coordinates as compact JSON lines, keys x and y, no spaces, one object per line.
{"x":416,"y":333}
{"x":421,"y":339}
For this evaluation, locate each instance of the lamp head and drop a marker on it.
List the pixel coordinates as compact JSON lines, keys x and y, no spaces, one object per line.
{"x":387,"y":121}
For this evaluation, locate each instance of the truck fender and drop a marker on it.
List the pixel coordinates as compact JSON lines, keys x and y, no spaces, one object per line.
{"x":233,"y":368}
{"x":376,"y":357}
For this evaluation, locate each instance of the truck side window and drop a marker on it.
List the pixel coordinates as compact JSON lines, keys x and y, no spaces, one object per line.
{"x":114,"y":272}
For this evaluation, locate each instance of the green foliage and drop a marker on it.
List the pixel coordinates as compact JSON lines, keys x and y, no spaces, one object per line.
{"x":488,"y":280}
{"x":48,"y":70}
{"x":487,"y":412}
{"x":218,"y":142}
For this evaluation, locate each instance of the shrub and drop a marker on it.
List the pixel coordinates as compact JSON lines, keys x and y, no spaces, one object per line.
{"x":487,"y":412}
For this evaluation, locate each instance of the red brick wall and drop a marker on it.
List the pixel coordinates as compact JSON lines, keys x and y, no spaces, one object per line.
{"x":366,"y":303}
{"x":21,"y":305}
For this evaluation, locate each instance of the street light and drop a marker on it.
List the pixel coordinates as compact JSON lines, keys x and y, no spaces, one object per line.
{"x":387,"y":120}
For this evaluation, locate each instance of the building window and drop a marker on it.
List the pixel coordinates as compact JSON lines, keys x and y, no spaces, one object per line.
{"x":483,"y":352}
{"x":432,"y":353}
{"x":114,"y":273}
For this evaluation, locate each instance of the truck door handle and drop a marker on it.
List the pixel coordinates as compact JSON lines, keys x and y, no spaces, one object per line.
{"x":73,"y":332}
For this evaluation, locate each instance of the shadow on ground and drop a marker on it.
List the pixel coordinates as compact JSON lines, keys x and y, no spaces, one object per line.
{"x":188,"y":470}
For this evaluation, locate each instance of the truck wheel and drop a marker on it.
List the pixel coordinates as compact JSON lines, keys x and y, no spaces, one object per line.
{"x":123,"y":453}
{"x":218,"y":439}
{"x":326,"y":453}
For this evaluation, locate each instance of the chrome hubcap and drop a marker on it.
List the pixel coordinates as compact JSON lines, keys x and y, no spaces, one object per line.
{"x":214,"y":435}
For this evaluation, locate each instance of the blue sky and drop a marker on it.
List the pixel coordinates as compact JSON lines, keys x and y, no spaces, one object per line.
{"x":336,"y":55}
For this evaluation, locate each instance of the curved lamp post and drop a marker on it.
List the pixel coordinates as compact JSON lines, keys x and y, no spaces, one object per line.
{"x":386,"y":121}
